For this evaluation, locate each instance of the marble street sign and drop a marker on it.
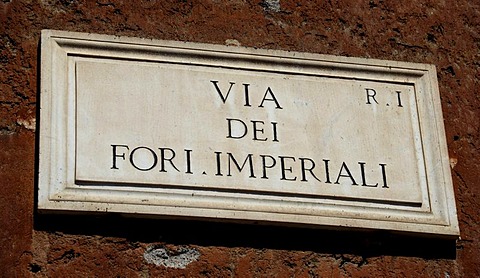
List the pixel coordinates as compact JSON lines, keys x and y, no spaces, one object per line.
{"x":192,"y":130}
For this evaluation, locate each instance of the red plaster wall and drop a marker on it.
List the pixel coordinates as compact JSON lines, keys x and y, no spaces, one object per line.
{"x":443,"y":33}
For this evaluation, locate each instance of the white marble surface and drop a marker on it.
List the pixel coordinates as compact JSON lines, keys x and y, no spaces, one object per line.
{"x":182,"y":129}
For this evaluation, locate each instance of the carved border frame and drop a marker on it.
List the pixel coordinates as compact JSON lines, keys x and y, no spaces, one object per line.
{"x":59,"y":193}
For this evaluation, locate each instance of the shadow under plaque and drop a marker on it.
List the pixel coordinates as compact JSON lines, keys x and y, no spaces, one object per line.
{"x":204,"y":233}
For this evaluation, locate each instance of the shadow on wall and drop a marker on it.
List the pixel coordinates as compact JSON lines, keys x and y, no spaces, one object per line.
{"x":204,"y":233}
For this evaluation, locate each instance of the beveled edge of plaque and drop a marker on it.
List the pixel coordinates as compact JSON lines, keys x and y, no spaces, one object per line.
{"x":56,"y":183}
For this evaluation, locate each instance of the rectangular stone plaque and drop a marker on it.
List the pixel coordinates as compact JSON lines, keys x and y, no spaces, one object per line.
{"x":217,"y":132}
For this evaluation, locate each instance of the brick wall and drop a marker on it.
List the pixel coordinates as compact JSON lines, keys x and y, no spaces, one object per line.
{"x":443,"y":33}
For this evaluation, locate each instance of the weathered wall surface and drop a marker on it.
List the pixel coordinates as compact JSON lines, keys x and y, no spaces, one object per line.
{"x":443,"y":33}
